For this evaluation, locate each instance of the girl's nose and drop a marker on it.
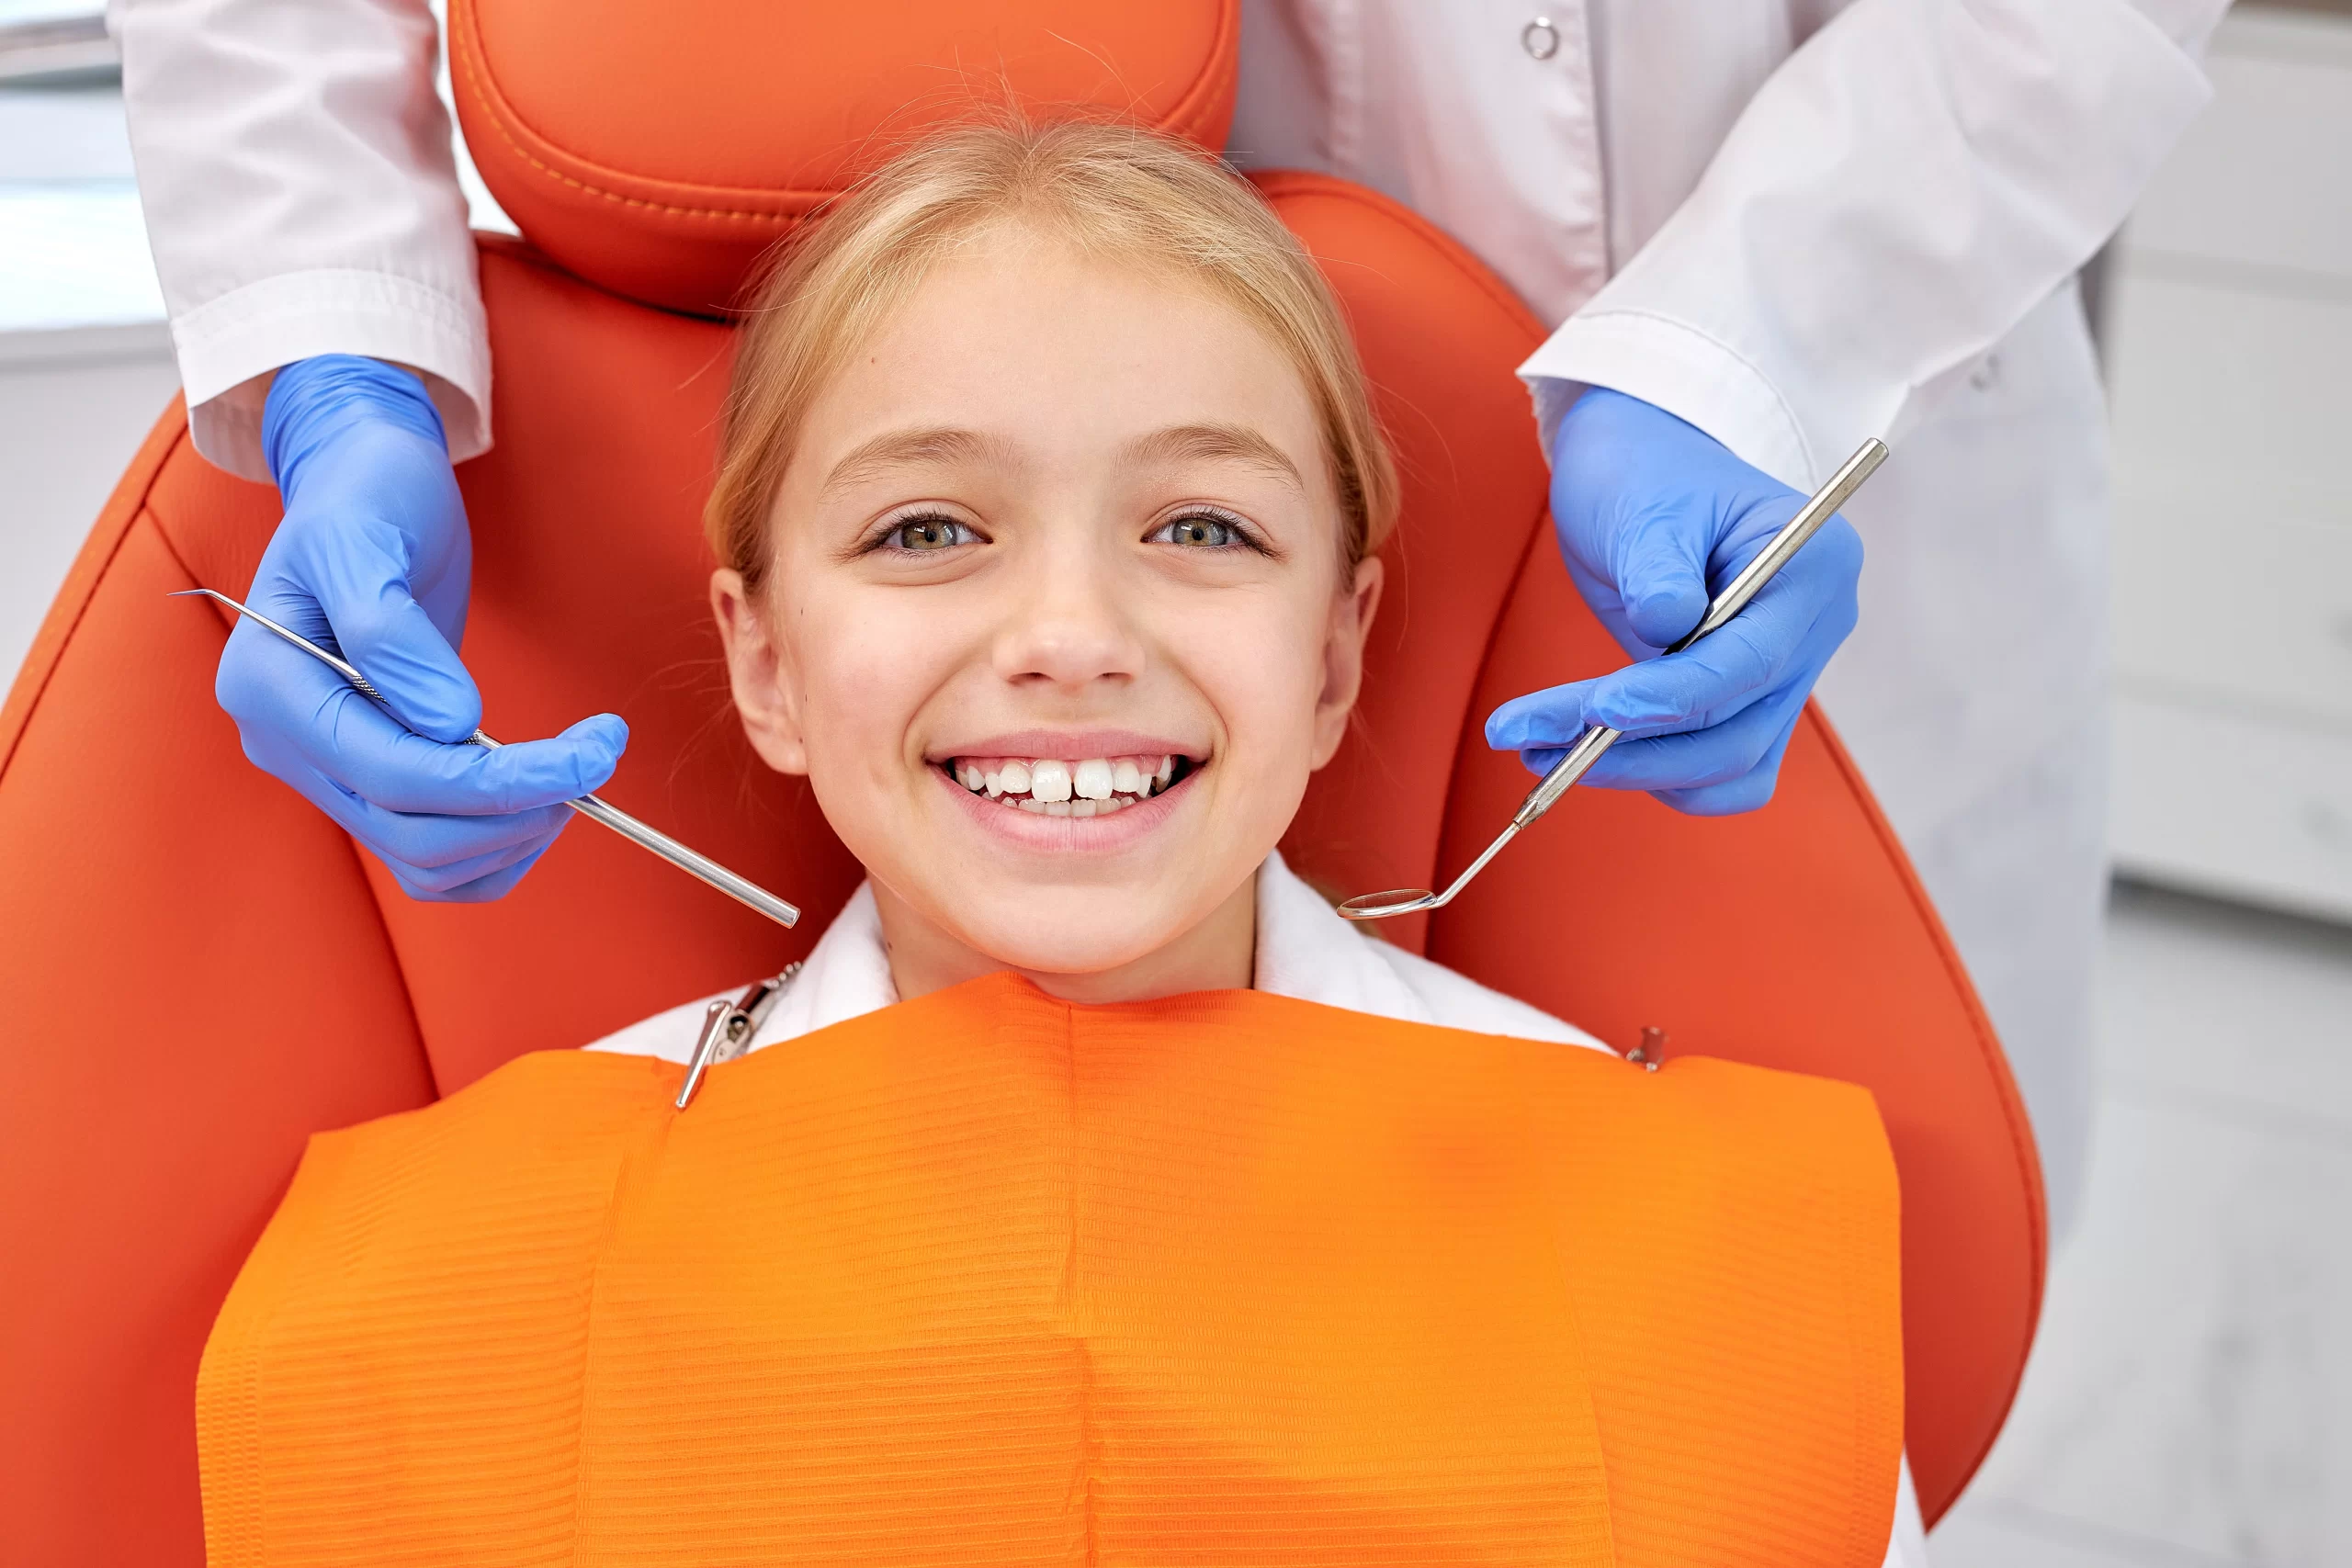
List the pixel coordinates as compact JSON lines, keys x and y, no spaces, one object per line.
{"x":1068,"y":627}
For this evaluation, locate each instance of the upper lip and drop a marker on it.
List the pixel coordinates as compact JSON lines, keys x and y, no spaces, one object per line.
{"x":1073,"y":745}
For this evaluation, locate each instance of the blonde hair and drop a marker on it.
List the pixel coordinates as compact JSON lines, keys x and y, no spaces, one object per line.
{"x":1113,"y":191}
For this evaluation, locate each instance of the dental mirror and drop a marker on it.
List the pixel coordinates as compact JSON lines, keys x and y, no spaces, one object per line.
{"x":1590,"y":746}
{"x":1413,"y":900}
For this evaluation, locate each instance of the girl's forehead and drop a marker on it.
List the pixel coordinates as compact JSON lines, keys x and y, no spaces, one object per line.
{"x":1045,"y":344}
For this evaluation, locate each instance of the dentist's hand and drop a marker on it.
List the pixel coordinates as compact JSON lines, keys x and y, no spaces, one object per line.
{"x":373,"y":560}
{"x":1654,"y":515}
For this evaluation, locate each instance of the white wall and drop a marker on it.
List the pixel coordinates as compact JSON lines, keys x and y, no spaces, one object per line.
{"x":85,"y":362}
{"x":2230,"y":335}
{"x":73,"y":407}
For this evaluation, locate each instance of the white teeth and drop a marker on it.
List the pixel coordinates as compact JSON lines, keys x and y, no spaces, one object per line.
{"x":1091,"y":786}
{"x":1049,"y":781}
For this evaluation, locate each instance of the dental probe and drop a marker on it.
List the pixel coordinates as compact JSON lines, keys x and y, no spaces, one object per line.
{"x":742,"y":889}
{"x":1595,"y":742}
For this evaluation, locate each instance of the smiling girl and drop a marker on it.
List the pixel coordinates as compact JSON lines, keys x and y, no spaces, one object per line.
{"x":1048,"y":503}
{"x":1113,"y":1200}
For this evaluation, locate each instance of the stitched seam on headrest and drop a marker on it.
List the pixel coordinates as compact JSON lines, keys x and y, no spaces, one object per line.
{"x":495,"y":108}
{"x":1188,"y":108}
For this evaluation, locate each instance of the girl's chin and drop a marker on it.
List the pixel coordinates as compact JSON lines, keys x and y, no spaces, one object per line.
{"x":1089,"y":935}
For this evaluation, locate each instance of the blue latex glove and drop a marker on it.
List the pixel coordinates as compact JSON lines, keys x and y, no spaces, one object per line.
{"x":373,"y":560}
{"x":1654,"y":517}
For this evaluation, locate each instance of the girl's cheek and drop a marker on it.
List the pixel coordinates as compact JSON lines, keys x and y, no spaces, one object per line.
{"x":877,"y":661}
{"x":1262,"y":671}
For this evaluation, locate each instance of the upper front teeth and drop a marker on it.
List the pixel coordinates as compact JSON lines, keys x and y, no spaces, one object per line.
{"x":1089,"y":788}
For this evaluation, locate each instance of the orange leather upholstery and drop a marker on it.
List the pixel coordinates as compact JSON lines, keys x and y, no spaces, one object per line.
{"x":658,"y":150}
{"x":197,"y":970}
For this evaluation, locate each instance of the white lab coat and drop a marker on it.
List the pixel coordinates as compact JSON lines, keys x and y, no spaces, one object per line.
{"x":1792,"y":223}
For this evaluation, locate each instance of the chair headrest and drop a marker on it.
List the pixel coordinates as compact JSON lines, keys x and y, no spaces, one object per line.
{"x":657,"y":150}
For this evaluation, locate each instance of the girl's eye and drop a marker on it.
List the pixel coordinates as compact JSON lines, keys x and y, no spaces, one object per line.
{"x":916,"y":535}
{"x":1201,"y":531}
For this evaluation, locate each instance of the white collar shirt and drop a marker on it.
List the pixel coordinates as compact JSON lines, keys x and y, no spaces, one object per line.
{"x":1304,"y":951}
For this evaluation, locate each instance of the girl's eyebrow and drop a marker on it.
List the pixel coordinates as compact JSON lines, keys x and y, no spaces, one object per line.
{"x":1216,"y":442}
{"x":896,"y":448}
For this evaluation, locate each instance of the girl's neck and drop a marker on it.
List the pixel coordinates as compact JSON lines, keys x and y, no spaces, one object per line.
{"x":1218,"y":954}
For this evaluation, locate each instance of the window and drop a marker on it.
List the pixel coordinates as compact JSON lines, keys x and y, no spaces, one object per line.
{"x":55,"y":41}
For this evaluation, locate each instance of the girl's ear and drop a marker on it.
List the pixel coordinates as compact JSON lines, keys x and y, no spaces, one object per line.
{"x":759,"y":672}
{"x":1351,"y":614}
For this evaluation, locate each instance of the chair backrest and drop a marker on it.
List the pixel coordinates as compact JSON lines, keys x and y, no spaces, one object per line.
{"x":197,"y":970}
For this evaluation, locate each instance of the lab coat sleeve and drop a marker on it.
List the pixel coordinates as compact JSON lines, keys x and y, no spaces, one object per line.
{"x":301,"y":198}
{"x":1895,"y":197}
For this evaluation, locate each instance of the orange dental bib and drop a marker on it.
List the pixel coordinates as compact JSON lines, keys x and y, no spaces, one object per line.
{"x":986,"y":1278}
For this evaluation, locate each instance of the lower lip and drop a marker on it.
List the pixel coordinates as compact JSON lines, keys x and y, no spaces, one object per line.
{"x":1070,"y":835}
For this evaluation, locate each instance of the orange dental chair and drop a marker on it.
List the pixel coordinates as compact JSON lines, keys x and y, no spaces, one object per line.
{"x":197,"y":970}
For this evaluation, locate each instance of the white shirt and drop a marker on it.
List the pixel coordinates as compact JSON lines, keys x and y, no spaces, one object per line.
{"x":1304,"y":951}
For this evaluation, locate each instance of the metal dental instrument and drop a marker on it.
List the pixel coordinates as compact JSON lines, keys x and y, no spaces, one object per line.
{"x":742,"y":889}
{"x":727,"y":1026}
{"x":1593,"y":742}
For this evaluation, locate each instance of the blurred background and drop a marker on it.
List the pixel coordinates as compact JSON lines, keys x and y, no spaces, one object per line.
{"x":2190,"y":1402}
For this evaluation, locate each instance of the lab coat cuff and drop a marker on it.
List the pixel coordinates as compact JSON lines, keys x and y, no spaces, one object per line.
{"x":1676,"y":367}
{"x":228,"y":344}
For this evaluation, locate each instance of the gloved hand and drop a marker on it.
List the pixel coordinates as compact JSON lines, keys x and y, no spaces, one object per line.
{"x":1654,"y":515}
{"x":373,"y":560}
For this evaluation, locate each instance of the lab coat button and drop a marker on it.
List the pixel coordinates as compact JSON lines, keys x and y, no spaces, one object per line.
{"x":1540,"y":39}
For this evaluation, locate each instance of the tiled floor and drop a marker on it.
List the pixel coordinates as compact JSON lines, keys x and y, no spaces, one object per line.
{"x":2190,"y":1402}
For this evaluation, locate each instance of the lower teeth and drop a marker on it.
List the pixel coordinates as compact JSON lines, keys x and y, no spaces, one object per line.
{"x":1072,"y":808}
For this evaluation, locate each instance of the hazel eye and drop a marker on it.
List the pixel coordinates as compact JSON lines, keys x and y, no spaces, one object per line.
{"x":1200,"y":531}
{"x":923,"y":535}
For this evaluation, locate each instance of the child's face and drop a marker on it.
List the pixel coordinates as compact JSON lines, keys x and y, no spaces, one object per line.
{"x":1074,"y":523}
